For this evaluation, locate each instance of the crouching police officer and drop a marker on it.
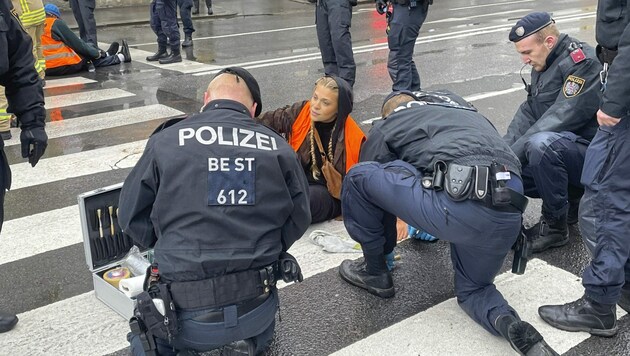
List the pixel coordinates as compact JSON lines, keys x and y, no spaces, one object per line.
{"x":439,"y":165}
{"x":552,"y":129}
{"x":221,"y":199}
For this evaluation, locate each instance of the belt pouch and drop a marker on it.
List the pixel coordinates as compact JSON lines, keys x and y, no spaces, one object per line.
{"x":458,"y":181}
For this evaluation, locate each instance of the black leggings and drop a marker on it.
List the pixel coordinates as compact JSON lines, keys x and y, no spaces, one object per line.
{"x":323,"y":205}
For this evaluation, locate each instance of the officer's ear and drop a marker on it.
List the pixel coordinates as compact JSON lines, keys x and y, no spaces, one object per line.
{"x":206,"y":98}
{"x":252,"y":109}
{"x":550,"y":41}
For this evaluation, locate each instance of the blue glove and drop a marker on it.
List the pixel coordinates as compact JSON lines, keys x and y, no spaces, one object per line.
{"x":420,"y":235}
{"x":389,"y":259}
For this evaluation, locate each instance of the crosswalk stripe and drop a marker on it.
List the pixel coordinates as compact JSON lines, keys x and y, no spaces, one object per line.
{"x":65,"y":82}
{"x":102,"y":121}
{"x":445,"y":329}
{"x":185,"y":66}
{"x":64,"y":100}
{"x":76,"y":164}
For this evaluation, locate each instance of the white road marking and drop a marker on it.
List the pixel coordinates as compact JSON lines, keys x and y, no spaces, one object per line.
{"x":64,"y":82}
{"x":64,"y":100}
{"x":502,"y":3}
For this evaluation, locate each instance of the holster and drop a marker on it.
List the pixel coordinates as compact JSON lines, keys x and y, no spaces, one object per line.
{"x":146,"y":338}
{"x":160,"y":323}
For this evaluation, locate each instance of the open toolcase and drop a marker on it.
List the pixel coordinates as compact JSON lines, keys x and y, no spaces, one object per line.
{"x":105,"y":250}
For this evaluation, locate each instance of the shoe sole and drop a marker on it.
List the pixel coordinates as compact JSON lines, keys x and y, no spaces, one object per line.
{"x":379,"y":292}
{"x":597,"y":332}
{"x":554,"y":245}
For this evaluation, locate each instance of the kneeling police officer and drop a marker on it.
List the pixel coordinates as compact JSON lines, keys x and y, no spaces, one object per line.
{"x":221,"y":199}
{"x":439,"y":165}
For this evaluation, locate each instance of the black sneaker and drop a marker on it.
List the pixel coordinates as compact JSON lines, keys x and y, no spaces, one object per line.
{"x":6,"y":135}
{"x":7,"y":321}
{"x":91,"y":67}
{"x":125,"y":51}
{"x":583,"y":314}
{"x":547,"y":234}
{"x":526,"y":340}
{"x":355,"y":273}
{"x":113,"y":48}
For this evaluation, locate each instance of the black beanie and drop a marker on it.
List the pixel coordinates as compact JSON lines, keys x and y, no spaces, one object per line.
{"x":251,"y":83}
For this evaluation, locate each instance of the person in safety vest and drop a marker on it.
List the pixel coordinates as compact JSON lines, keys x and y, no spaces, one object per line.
{"x":65,"y":53}
{"x":324,"y":118}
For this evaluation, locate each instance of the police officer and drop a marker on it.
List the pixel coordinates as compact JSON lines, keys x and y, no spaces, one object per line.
{"x":333,"y":19}
{"x":604,"y":216}
{"x":185,"y":7}
{"x":164,"y":25}
{"x":24,"y":93}
{"x":221,"y":199}
{"x":83,"y":11}
{"x":426,"y":140}
{"x":404,"y":27}
{"x":552,"y":128}
{"x":196,"y":7}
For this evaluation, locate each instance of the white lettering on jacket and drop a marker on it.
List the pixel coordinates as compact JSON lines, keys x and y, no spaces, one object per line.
{"x":208,"y":135}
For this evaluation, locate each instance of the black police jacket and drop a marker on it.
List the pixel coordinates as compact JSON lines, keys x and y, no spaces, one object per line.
{"x":613,"y":32}
{"x":215,"y":193}
{"x":563,"y":97}
{"x":422,"y":134}
{"x":18,"y":77}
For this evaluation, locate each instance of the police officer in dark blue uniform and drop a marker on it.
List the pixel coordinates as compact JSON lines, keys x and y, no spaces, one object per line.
{"x":25,"y":96}
{"x":83,"y":11}
{"x":185,"y":12}
{"x":404,"y":26}
{"x":426,"y":141}
{"x":221,"y":199}
{"x":164,"y":25}
{"x":552,"y":128}
{"x":333,"y":19}
{"x":605,"y":222}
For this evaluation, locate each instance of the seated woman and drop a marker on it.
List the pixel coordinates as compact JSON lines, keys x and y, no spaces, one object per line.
{"x":325,"y":116}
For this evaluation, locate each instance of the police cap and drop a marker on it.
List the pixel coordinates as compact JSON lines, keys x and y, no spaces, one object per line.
{"x":251,"y":83}
{"x":529,"y":25}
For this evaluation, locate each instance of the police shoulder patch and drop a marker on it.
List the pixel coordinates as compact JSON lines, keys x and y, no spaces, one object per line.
{"x":572,"y":86}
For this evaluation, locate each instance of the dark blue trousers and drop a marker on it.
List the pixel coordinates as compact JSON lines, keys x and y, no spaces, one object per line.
{"x":555,"y":161}
{"x":83,"y":11}
{"x":185,"y":12}
{"x":332,"y":20}
{"x":605,"y":216}
{"x":258,"y":324}
{"x":404,"y":29}
{"x":164,"y":23}
{"x":373,"y":194}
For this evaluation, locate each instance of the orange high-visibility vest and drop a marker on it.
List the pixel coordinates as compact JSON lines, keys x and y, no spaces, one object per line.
{"x":353,"y":135}
{"x":56,"y":53}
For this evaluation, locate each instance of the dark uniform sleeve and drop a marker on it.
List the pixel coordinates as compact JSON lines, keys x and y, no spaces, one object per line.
{"x":137,"y":198}
{"x":281,"y":120}
{"x":300,"y":217}
{"x":17,"y":72}
{"x":376,"y":149}
{"x":615,"y":102}
{"x":522,"y":121}
{"x":61,"y":32}
{"x":567,"y":113}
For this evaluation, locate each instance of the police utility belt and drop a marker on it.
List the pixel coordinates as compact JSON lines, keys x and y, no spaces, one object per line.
{"x":486,"y":184}
{"x":156,"y":311}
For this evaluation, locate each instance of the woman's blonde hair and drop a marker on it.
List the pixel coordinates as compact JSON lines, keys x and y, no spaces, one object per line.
{"x":328,"y":83}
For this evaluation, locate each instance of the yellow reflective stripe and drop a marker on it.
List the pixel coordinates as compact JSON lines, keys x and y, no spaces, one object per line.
{"x":33,"y":18}
{"x":40,"y":64}
{"x":52,"y":46}
{"x":59,"y":55}
{"x":24,"y":5}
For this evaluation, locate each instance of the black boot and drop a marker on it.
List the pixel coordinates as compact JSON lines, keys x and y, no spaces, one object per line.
{"x":7,"y":321}
{"x":187,"y":40}
{"x":370,"y":274}
{"x":523,"y":337}
{"x":174,"y":57}
{"x":583,"y":314}
{"x":624,"y":301}
{"x":161,"y":53}
{"x":124,"y":50}
{"x":209,"y":6}
{"x":548,"y":233}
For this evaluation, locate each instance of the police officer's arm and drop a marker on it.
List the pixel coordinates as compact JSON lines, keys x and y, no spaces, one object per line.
{"x":300,"y":218}
{"x":137,"y":197}
{"x":61,"y":32}
{"x":568,"y":113}
{"x":375,"y":148}
{"x":20,"y":81}
{"x":281,"y":120}
{"x":522,"y":121}
{"x":615,"y":102}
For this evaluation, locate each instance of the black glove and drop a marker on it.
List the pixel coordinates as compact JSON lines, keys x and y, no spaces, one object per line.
{"x":381,"y":6}
{"x":289,"y":268}
{"x":34,"y":142}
